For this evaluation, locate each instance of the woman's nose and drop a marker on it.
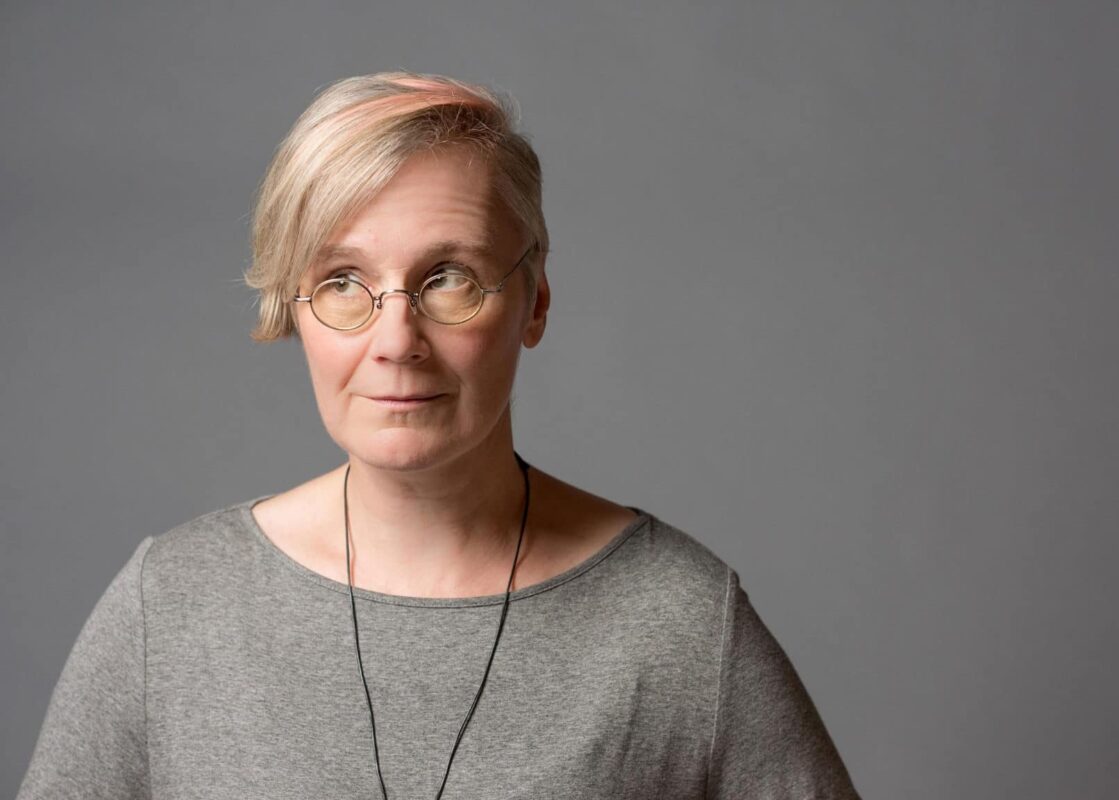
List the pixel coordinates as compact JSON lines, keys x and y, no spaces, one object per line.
{"x":396,"y":334}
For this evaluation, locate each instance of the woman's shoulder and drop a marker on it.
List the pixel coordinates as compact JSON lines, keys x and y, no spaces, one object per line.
{"x":647,"y":555}
{"x":668,"y":567}
{"x":679,"y":552}
{"x":210,"y":541}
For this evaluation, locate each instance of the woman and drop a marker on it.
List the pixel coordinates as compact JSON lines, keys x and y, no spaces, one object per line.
{"x":435,"y":617}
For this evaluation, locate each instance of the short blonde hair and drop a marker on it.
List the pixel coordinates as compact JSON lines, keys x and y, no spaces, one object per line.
{"x":348,"y":144}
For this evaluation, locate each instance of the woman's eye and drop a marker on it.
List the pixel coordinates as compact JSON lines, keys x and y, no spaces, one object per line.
{"x":343,"y":284}
{"x":448,"y":281}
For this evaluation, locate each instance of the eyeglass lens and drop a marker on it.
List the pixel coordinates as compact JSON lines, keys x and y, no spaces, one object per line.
{"x":345,"y":304}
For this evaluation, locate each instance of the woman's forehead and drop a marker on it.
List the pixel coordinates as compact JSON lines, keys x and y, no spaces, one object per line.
{"x":438,"y":204}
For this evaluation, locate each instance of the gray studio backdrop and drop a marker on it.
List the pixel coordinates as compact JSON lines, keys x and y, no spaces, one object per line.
{"x":835,"y":291}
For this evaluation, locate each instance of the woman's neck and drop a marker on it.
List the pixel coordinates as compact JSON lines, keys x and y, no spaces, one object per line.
{"x":447,"y":531}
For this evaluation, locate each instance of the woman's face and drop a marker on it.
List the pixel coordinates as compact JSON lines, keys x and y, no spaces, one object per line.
{"x":403,"y":391}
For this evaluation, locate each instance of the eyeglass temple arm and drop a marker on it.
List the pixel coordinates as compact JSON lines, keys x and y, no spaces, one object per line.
{"x":501,"y":284}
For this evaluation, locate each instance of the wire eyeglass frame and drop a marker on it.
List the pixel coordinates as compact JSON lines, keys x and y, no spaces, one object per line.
{"x":413,"y":297}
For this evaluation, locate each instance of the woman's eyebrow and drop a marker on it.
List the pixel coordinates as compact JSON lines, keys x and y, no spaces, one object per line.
{"x":333,"y":252}
{"x":477,"y":249}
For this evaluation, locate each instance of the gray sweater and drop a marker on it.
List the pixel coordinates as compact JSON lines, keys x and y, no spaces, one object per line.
{"x":215,"y":666}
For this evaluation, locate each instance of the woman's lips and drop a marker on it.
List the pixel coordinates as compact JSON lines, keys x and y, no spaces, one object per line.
{"x":405,"y":402}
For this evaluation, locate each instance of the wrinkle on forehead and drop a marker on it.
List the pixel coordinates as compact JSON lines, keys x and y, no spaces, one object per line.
{"x":447,"y":195}
{"x":445,"y":247}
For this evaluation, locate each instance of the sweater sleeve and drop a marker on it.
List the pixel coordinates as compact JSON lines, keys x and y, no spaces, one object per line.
{"x":93,"y":743}
{"x":768,"y":740}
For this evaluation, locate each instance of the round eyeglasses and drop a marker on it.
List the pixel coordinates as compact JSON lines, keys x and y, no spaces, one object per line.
{"x":451,"y":296}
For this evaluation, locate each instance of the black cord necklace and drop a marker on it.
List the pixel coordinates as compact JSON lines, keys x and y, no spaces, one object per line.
{"x":501,"y":624}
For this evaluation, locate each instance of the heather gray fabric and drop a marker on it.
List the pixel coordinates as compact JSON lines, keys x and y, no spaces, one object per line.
{"x":216,"y":666}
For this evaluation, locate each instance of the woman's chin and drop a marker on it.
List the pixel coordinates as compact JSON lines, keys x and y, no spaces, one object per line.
{"x":425,"y":445}
{"x":404,"y":450}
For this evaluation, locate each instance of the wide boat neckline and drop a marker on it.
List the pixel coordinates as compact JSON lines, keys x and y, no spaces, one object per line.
{"x":245,"y":510}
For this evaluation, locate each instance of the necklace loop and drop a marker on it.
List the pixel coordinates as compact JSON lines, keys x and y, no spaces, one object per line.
{"x":493,"y":650}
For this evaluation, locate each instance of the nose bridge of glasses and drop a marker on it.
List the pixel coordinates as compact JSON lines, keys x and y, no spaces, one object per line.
{"x":413,"y":297}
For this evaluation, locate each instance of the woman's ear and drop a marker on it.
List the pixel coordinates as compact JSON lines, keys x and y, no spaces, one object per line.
{"x":534,"y":331}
